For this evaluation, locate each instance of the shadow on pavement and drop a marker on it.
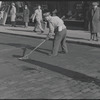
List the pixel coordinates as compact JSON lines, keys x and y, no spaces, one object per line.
{"x":69,"y":73}
{"x":24,"y":52}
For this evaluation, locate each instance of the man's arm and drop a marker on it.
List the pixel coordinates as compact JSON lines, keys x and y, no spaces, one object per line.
{"x":51,"y":30}
{"x":99,"y":13}
{"x":33,"y":16}
{"x":15,"y":10}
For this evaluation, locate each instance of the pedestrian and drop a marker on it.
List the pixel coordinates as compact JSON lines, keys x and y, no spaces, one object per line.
{"x":1,"y":14}
{"x":26,"y":16}
{"x":38,"y":17}
{"x":13,"y":15}
{"x":94,"y":20}
{"x":56,"y":25}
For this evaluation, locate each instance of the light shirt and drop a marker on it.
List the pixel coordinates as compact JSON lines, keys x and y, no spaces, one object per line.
{"x":54,"y":23}
{"x":38,"y":14}
{"x":1,"y":14}
{"x":13,"y":10}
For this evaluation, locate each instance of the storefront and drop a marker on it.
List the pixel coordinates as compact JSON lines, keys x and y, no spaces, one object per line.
{"x":74,"y":11}
{"x":77,"y":13}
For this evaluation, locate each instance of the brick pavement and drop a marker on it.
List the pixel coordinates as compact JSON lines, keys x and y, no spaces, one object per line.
{"x":46,"y":84}
{"x":53,"y":87}
{"x":53,"y":80}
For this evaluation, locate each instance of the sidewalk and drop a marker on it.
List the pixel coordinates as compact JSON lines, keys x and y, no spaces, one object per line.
{"x":74,"y":36}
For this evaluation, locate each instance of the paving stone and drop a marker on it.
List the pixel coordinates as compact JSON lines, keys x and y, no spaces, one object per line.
{"x":66,"y":89}
{"x":28,"y":89}
{"x":3,"y":88}
{"x":69,"y":93}
{"x":6,"y":94}
{"x":57,"y":95}
{"x":95,"y":90}
{"x":76,"y":94}
{"x":57,"y":89}
{"x":95,"y":96}
{"x":67,"y":97}
{"x":86,"y":90}
{"x":88,"y":95}
{"x":79,"y":97}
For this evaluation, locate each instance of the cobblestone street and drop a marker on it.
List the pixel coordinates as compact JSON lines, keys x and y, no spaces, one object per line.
{"x":75,"y":75}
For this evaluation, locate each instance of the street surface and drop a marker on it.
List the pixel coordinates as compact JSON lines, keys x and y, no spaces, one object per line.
{"x":75,"y":75}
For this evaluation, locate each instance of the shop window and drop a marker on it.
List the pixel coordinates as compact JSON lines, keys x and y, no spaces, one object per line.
{"x":76,"y":13}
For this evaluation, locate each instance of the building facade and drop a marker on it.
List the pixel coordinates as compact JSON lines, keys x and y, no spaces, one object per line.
{"x":74,"y":11}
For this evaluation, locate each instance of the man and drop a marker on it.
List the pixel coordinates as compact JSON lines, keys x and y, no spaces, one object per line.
{"x":56,"y":25}
{"x":94,"y":19}
{"x":38,"y":17}
{"x":13,"y":14}
{"x":26,"y":16}
{"x":1,"y":14}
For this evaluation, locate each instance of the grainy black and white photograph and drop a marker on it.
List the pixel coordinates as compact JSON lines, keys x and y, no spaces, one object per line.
{"x":50,"y":49}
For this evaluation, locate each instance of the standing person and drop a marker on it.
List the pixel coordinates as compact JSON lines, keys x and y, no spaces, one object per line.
{"x":94,"y":19}
{"x":13,"y":15}
{"x":1,"y":14}
{"x":56,"y":25}
{"x":5,"y":14}
{"x":38,"y":17}
{"x":26,"y":15}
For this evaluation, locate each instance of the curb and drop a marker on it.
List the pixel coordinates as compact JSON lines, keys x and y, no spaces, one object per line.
{"x":88,"y":43}
{"x":75,"y":41}
{"x":35,"y":36}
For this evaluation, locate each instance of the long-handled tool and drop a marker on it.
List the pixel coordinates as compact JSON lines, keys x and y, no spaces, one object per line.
{"x":26,"y":56}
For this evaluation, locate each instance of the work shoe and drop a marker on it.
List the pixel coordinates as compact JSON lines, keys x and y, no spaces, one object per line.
{"x":42,"y":31}
{"x":34,"y":31}
{"x":63,"y":52}
{"x":23,"y":58}
{"x":52,"y":55}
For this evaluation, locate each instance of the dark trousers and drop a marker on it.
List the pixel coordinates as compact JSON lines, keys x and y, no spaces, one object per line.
{"x":94,"y":36}
{"x":38,"y":24}
{"x":59,"y":38}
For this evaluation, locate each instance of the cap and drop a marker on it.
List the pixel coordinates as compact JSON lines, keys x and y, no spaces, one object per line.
{"x":46,"y":14}
{"x":13,"y":4}
{"x":95,"y":3}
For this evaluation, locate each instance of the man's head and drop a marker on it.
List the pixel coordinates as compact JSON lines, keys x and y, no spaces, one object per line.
{"x":47,"y":16}
{"x":95,"y":4}
{"x":25,"y":6}
{"x":39,"y":7}
{"x":13,"y":4}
